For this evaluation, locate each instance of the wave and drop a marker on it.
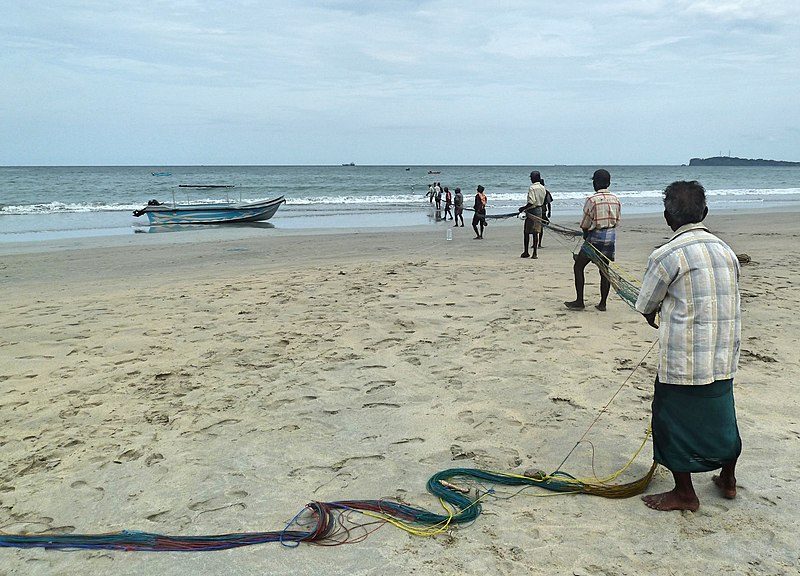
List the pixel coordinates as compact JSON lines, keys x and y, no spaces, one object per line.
{"x":406,"y":201}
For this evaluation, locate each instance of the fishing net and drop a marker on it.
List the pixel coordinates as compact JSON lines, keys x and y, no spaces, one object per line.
{"x":623,"y":283}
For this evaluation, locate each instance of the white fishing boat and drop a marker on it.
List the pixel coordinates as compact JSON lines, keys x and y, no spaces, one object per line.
{"x":210,"y":213}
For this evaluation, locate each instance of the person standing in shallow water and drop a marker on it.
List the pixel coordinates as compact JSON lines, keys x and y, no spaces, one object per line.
{"x":448,"y":202}
{"x":479,"y":219}
{"x":458,"y":205}
{"x":546,"y":211}
{"x":533,"y":211}
{"x":601,"y":214}
{"x":693,"y":281}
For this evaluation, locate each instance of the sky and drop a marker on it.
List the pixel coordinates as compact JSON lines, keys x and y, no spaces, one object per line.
{"x":397,"y":82}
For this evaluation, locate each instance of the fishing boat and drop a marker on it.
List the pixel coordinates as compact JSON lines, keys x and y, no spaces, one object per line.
{"x":161,"y":173}
{"x":216,"y":213}
{"x":203,"y":186}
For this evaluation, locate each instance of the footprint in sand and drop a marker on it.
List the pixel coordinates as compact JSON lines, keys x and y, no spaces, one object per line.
{"x":129,"y":456}
{"x":466,"y":416}
{"x":408,"y":441}
{"x":153,"y":459}
{"x":94,"y":493}
{"x":220,"y":503}
{"x":377,"y":385}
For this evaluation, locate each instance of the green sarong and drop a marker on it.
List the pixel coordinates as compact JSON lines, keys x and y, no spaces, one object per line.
{"x":694,"y":427}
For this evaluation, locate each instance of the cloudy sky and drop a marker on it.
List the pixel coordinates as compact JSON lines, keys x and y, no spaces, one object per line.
{"x":166,"y":82}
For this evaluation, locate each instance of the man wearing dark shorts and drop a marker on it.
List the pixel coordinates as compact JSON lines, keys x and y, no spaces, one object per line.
{"x":601,"y":214}
{"x":458,"y":205}
{"x":479,"y":219}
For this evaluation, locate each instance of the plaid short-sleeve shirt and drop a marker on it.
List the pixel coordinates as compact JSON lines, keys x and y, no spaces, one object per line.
{"x":601,"y":210}
{"x":694,"y":280}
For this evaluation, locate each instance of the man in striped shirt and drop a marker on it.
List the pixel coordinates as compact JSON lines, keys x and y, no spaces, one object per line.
{"x":693,"y":281}
{"x":601,"y":213}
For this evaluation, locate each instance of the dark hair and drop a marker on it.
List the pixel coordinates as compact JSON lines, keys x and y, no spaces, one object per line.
{"x":480,"y":188}
{"x":601,"y":179}
{"x":685,"y":202}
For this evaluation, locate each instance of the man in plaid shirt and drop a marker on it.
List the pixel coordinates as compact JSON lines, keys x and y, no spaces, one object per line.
{"x":692,"y":281}
{"x":601,"y":213}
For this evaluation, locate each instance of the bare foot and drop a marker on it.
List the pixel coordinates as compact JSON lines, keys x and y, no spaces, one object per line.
{"x":601,"y":307}
{"x":726,"y":486}
{"x":671,"y":501}
{"x":574,"y":305}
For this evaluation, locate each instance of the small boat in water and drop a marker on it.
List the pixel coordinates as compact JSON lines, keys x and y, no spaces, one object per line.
{"x":161,"y":173}
{"x":206,"y":185}
{"x":217,"y":213}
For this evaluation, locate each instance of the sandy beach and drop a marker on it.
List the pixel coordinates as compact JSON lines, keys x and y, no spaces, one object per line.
{"x":208,"y":383}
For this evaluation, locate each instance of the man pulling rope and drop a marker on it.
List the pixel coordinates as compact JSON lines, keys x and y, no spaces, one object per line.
{"x":693,"y":280}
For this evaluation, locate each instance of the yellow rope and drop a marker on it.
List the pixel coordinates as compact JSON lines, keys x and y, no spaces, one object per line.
{"x":427,"y":531}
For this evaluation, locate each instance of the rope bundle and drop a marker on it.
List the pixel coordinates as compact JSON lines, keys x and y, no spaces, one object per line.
{"x":329,"y":522}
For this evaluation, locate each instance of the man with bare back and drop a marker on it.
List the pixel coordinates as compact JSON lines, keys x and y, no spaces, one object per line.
{"x":692,"y":281}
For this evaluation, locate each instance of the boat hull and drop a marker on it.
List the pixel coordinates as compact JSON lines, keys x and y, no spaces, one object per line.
{"x":211,"y":213}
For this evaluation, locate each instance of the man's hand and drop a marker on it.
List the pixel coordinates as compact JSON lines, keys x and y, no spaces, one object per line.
{"x":651,"y":318}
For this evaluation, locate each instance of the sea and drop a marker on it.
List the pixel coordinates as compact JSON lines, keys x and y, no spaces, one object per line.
{"x":39,"y":203}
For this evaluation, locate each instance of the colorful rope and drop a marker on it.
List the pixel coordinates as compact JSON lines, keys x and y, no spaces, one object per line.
{"x":329,"y":524}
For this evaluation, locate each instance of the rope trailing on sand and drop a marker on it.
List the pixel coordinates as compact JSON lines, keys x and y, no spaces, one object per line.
{"x":496,"y":216}
{"x":330,"y":523}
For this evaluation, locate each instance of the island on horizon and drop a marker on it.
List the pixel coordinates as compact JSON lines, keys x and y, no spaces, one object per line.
{"x":734,"y":161}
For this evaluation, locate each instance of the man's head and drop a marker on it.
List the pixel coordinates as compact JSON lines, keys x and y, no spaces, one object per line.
{"x":480,"y":188}
{"x":684,"y":203}
{"x":458,"y":190}
{"x":536,"y":177}
{"x":601,"y":179}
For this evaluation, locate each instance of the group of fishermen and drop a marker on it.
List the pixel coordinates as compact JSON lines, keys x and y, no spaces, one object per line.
{"x":690,"y":293}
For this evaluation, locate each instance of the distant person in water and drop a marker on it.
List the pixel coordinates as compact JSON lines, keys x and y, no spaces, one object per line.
{"x":533,"y":214}
{"x":693,"y":281}
{"x":437,"y":188}
{"x":601,"y":214}
{"x":430,"y":193}
{"x":479,"y":219}
{"x":458,"y":205}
